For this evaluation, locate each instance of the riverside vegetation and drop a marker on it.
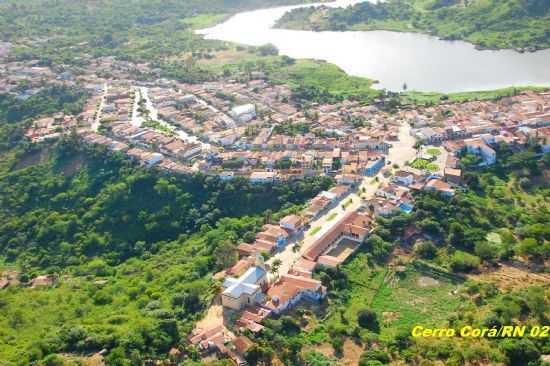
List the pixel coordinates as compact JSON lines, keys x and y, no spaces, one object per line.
{"x":497,"y":24}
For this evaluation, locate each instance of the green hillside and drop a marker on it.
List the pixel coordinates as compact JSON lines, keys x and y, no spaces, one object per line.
{"x":520,"y":24}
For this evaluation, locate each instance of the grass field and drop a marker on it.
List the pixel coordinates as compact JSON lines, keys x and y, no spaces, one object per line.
{"x":401,"y":300}
{"x":424,"y":164}
{"x":433,"y":151}
{"x":413,"y":298}
{"x":423,"y":98}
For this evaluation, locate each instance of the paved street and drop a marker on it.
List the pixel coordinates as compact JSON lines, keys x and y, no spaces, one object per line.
{"x":97,"y":121}
{"x":401,"y":152}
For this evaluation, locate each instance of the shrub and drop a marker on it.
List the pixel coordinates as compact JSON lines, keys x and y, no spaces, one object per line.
{"x":464,"y":262}
{"x":367,"y":319}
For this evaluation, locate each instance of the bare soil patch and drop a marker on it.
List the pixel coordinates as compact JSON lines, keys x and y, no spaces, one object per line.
{"x":424,"y":281}
{"x":508,"y":277}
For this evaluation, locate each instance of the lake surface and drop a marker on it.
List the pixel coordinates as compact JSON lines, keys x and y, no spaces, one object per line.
{"x":424,"y":62}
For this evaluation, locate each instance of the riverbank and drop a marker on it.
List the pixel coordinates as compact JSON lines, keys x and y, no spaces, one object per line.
{"x":491,"y":25}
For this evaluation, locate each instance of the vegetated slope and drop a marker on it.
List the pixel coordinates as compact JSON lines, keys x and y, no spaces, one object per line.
{"x":133,"y":250}
{"x":487,"y":23}
{"x":112,"y":209}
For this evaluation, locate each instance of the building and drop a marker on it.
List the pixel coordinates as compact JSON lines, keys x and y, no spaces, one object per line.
{"x":263,"y":177}
{"x":440,"y":186}
{"x":274,"y":235}
{"x":479,"y":147}
{"x":403,"y":177}
{"x":290,"y":289}
{"x":243,"y":113}
{"x":247,"y":289}
{"x":453,"y":176}
{"x":354,"y":226}
{"x":373,"y":167}
{"x":292,"y":223}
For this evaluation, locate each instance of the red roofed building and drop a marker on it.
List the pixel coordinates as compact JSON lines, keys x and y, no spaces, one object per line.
{"x":291,"y":289}
{"x":354,"y":226}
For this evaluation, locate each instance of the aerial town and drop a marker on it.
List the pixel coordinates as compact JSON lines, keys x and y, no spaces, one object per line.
{"x":252,"y":130}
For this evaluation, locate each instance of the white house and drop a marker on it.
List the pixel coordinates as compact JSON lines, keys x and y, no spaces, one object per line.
{"x":247,"y":289}
{"x":243,"y":113}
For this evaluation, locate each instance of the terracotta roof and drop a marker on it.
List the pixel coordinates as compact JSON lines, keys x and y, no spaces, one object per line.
{"x":289,"y":287}
{"x":329,"y":261}
{"x":242,"y":344}
{"x":352,"y":223}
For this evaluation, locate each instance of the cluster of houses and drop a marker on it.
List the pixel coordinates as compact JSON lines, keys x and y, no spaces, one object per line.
{"x":475,"y":127}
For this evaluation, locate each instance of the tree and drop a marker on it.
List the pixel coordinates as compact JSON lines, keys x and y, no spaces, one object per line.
{"x":259,"y":355}
{"x":532,"y":249}
{"x":367,"y":319}
{"x":374,"y":357}
{"x":464,"y":262}
{"x":275,"y":266}
{"x":268,"y":49}
{"x":52,"y":360}
{"x":117,"y":357}
{"x":426,"y":250}
{"x":519,"y":352}
{"x":485,"y":251}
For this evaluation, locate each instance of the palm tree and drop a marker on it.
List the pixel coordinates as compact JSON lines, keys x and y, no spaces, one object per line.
{"x":275,"y":266}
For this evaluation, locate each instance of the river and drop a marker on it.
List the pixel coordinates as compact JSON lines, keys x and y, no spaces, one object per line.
{"x":424,"y":62}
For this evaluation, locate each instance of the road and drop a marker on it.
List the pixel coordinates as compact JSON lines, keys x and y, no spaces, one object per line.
{"x":288,"y":256}
{"x":403,"y":150}
{"x":97,"y":122}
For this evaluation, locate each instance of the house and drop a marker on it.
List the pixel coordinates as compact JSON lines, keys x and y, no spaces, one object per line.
{"x":316,"y":206}
{"x":453,"y":176}
{"x":241,"y":345}
{"x":440,"y":186}
{"x":290,"y":289}
{"x":373,"y":167}
{"x":226,"y":176}
{"x":479,"y":147}
{"x":246,"y":250}
{"x":43,"y":281}
{"x":354,"y":226}
{"x":262,"y":177}
{"x":273,"y":234}
{"x":303,"y":267}
{"x":544,"y":139}
{"x":381,"y":206}
{"x":241,"y":266}
{"x":348,"y":179}
{"x":403,"y":177}
{"x":392,"y":191}
{"x":292,"y":223}
{"x":247,"y":289}
{"x":243,"y":113}
{"x":340,"y":191}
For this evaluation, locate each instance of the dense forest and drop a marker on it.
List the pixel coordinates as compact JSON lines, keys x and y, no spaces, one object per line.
{"x":142,"y":31}
{"x":110,"y":230}
{"x":521,"y":24}
{"x":52,"y":218}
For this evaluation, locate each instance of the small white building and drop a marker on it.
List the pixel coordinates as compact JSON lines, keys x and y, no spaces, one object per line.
{"x":247,"y":289}
{"x":243,"y":113}
{"x":262,"y":177}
